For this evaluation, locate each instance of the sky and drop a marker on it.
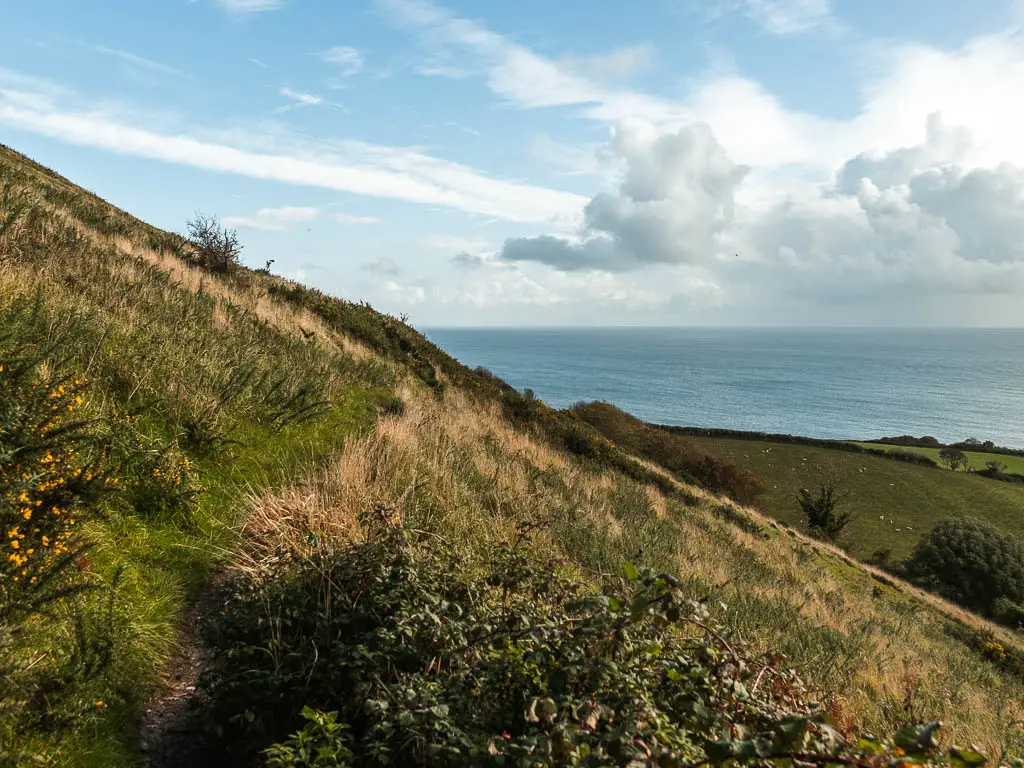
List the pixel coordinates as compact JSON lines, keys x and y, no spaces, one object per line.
{"x":659,"y":162}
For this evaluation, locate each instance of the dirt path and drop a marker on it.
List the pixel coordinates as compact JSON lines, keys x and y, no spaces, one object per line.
{"x":170,"y":734}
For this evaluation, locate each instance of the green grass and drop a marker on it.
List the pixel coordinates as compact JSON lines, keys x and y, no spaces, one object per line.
{"x":896,"y":502}
{"x":1014,"y":464}
{"x":207,"y":365}
{"x":201,"y":375}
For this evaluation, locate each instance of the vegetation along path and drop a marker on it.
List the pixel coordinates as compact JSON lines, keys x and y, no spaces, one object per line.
{"x":415,"y":564}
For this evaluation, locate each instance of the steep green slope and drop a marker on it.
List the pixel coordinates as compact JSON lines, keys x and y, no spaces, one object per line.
{"x":251,"y":422}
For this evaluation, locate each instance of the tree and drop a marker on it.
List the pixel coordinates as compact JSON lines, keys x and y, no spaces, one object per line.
{"x":969,"y":562}
{"x":953,"y":458}
{"x":216,"y":248}
{"x":823,"y":521}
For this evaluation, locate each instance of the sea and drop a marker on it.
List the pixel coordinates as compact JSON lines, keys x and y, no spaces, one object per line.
{"x":829,"y":383}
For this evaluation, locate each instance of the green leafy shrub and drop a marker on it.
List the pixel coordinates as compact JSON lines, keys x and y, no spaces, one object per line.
{"x":824,"y":520}
{"x":396,"y":651}
{"x":969,"y":562}
{"x":320,"y":744}
{"x":953,"y":458}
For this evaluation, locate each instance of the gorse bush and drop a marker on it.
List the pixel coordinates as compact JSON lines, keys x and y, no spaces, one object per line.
{"x":971,"y":563}
{"x":50,"y":473}
{"x":52,"y":480}
{"x":398,"y":652}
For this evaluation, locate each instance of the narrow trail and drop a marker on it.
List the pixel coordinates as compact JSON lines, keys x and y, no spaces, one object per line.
{"x":170,"y":732}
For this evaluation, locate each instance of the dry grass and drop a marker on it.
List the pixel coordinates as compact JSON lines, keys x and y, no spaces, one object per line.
{"x":459,"y":470}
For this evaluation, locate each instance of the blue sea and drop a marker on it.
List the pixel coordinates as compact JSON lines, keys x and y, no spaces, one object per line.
{"x":834,"y":383}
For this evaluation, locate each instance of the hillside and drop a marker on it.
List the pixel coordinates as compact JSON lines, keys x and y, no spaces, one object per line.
{"x":233,"y":440}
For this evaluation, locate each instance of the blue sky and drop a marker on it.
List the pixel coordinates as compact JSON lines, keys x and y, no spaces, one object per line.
{"x":775,"y":162}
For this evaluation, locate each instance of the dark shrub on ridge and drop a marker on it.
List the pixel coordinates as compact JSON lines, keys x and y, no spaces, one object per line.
{"x":673,"y":452}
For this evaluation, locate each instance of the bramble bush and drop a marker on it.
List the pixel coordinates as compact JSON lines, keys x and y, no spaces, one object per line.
{"x":397,"y":651}
{"x":213,"y":247}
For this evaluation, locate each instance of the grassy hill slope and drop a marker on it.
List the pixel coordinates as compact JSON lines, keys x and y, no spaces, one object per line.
{"x":250,"y":421}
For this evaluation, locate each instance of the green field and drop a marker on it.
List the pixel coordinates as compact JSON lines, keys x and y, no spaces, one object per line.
{"x":977,"y":458}
{"x":896,"y":502}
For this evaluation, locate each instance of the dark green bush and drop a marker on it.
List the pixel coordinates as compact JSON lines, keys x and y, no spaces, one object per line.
{"x":397,"y":652}
{"x":521,"y":408}
{"x":953,"y":458}
{"x":824,"y":520}
{"x":969,"y":562}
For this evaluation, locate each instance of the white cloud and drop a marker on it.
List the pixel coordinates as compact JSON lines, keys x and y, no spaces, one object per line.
{"x":514,"y":72}
{"x":382,"y":266}
{"x":274,"y":219}
{"x":449,"y":71}
{"x":785,"y":17}
{"x":675,"y":201}
{"x":453,"y":244}
{"x":348,"y":60}
{"x":306,"y":99}
{"x":406,"y":294}
{"x":379,"y":171}
{"x":250,"y":6}
{"x":912,"y":222}
{"x":135,"y":60}
{"x":348,"y":218}
{"x":617,"y":64}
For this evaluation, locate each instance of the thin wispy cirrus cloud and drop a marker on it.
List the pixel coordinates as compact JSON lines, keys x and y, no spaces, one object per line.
{"x":274,"y":219}
{"x":136,"y":60}
{"x":346,"y":60}
{"x":250,"y":6}
{"x":373,"y":170}
{"x":304,"y":99}
{"x":782,"y":17}
{"x":348,"y":218}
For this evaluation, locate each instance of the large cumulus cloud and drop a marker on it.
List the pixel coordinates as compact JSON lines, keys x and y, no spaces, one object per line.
{"x":675,"y":199}
{"x":916,"y":218}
